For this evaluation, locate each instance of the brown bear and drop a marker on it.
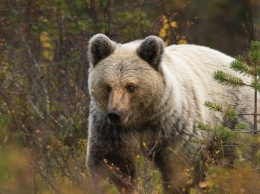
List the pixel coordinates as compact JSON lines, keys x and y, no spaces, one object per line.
{"x":149,"y":98}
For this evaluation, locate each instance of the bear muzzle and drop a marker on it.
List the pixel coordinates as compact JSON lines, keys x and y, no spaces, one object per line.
{"x":114,"y":117}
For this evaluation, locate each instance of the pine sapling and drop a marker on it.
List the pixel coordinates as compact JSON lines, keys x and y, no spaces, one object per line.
{"x":248,"y":66}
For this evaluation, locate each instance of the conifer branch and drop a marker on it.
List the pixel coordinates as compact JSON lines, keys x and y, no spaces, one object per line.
{"x":214,"y":106}
{"x":258,"y":71}
{"x":241,"y":126}
{"x":256,"y":85}
{"x":228,"y":112}
{"x":231,"y":113}
{"x":241,"y":67}
{"x":254,"y":54}
{"x":227,"y":79}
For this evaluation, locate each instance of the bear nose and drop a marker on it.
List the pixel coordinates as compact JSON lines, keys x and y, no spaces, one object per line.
{"x":113,"y":116}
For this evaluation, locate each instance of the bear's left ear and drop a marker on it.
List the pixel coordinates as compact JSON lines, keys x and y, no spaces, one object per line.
{"x":100,"y":47}
{"x":151,"y":50}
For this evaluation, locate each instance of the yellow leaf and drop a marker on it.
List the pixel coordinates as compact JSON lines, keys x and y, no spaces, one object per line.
{"x":48,"y":46}
{"x":165,"y":20}
{"x":192,"y":191}
{"x":162,"y":33}
{"x":182,"y":40}
{"x":44,"y":37}
{"x":167,"y":42}
{"x":174,"y":24}
{"x":210,"y":183}
{"x":203,"y":184}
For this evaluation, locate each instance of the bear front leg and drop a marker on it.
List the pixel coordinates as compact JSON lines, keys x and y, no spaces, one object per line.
{"x":115,"y":165}
{"x":173,"y":168}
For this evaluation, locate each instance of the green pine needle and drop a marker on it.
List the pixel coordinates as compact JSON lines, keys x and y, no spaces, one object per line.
{"x":253,"y":57}
{"x":241,"y":67}
{"x":224,"y":133}
{"x":227,"y":79}
{"x":205,"y":127}
{"x":254,"y":53}
{"x":255,"y":45}
{"x":241,"y":126}
{"x":256,"y":85}
{"x":231,"y":113}
{"x":213,"y":106}
{"x":258,"y":71}
{"x":201,"y":126}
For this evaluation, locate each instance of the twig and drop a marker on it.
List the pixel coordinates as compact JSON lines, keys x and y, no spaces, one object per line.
{"x":32,"y":58}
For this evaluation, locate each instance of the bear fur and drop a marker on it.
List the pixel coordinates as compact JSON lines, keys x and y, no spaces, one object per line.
{"x":149,"y":98}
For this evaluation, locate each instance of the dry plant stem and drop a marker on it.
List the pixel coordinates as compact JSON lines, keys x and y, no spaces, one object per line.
{"x":255,"y":111}
{"x":38,"y":67}
{"x":254,"y":148}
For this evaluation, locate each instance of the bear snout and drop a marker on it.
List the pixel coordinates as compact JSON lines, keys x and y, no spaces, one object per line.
{"x":114,"y":116}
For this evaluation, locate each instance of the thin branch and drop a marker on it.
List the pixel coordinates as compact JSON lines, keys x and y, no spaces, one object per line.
{"x":248,"y":114}
{"x":40,"y":114}
{"x":46,"y":178}
{"x":28,"y":50}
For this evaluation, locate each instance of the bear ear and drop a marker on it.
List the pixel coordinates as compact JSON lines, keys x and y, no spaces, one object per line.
{"x":100,"y":47}
{"x":151,"y":50}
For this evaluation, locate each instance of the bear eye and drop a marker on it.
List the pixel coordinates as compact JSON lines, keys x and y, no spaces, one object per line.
{"x":130,"y":89}
{"x":108,"y":89}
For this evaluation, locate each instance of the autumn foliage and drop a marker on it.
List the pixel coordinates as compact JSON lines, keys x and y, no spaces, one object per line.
{"x":44,"y":92}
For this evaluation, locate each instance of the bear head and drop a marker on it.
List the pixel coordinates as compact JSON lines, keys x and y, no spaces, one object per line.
{"x":126,"y":80}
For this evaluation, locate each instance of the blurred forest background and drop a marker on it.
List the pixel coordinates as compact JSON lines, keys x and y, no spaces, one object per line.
{"x":44,"y":69}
